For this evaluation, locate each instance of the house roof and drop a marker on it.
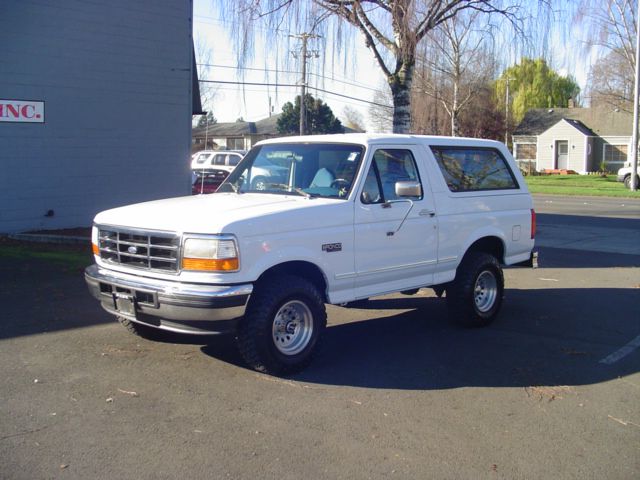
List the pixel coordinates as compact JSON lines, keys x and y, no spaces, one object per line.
{"x":266,"y":126}
{"x":596,"y":121}
{"x":581,"y":127}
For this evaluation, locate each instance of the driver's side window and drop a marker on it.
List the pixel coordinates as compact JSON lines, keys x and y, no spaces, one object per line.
{"x":371,"y":191}
{"x":388,"y":166}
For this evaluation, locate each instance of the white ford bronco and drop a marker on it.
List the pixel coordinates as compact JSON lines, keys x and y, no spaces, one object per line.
{"x":342,"y":218}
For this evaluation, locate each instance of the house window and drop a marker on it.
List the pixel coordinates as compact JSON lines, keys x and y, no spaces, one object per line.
{"x":526,"y":151}
{"x":615,"y":154}
{"x":235,"y":143}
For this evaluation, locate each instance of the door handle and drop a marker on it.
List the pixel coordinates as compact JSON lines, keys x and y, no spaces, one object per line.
{"x":427,"y":213}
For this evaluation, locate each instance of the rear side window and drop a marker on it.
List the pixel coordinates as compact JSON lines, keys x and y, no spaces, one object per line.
{"x":469,"y":169}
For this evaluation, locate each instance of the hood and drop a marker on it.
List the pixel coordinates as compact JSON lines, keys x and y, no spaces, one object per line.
{"x":213,"y":213}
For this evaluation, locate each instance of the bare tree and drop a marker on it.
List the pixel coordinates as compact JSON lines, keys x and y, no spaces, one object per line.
{"x":458,"y":46}
{"x":392,"y":30}
{"x":611,"y":24}
{"x":353,"y":119}
{"x":611,"y":82}
{"x":611,"y":27}
{"x":207,"y":90}
{"x":381,"y":116}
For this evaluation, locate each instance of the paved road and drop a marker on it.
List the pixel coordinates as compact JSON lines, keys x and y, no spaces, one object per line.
{"x":551,"y":390}
{"x":589,"y":223}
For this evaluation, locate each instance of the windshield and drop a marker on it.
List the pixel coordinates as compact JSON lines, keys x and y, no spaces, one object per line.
{"x":308,"y":169}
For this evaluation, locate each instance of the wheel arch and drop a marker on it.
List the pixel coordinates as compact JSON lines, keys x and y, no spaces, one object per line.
{"x":492,"y":245}
{"x":299,"y":268}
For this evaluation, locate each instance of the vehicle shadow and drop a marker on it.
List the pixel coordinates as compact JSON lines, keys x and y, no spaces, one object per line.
{"x":542,"y":337}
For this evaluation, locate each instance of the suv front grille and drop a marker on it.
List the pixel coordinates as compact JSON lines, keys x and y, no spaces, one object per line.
{"x":139,"y":249}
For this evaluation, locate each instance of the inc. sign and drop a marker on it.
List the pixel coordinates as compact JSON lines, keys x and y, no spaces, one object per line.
{"x":24,"y":111}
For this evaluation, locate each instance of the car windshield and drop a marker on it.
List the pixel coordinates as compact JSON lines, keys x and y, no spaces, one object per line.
{"x":308,"y":169}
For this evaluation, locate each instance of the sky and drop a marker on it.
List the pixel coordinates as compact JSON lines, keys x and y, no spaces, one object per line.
{"x":358,"y":80}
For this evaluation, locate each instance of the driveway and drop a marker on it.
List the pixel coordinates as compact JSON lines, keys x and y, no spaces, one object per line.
{"x":551,"y":390}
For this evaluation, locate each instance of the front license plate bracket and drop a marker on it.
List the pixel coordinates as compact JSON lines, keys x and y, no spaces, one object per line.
{"x":125,"y":304}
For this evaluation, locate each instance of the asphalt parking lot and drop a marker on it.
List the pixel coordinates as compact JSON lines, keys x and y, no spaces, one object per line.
{"x":551,"y":390}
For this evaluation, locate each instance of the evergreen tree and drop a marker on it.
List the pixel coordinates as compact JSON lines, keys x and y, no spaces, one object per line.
{"x":320,"y":118}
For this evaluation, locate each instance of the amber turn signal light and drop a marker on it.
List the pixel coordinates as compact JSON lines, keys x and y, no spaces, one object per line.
{"x":210,"y":265}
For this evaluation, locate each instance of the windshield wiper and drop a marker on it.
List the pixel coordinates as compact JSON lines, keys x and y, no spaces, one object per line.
{"x":233,"y":186}
{"x":297,"y":190}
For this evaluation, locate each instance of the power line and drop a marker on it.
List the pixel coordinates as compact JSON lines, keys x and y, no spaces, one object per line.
{"x":224,"y":82}
{"x":323,"y":77}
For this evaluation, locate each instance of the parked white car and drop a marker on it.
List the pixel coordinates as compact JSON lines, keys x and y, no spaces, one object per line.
{"x":216,"y":159}
{"x":342,"y":218}
{"x":624,"y":175}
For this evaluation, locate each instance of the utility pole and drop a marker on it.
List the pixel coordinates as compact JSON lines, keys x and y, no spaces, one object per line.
{"x":636,"y":94}
{"x":506,"y":115}
{"x":304,"y":54}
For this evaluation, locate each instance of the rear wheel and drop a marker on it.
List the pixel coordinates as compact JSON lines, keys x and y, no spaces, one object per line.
{"x":283,"y":323}
{"x":475,"y":296}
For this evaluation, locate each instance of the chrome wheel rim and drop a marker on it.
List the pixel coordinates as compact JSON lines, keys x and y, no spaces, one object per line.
{"x":292,"y":327}
{"x":485,"y":291}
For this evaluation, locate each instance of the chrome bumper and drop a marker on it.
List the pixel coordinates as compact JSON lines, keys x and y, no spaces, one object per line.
{"x":167,"y":305}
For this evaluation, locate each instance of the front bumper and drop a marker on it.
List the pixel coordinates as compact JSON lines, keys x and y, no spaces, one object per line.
{"x":167,"y":305}
{"x":620,"y":178}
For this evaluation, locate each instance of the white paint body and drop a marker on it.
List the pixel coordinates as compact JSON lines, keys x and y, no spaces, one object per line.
{"x":274,"y":229}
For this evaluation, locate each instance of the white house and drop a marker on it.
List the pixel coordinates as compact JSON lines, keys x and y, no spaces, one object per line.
{"x":579,"y":139}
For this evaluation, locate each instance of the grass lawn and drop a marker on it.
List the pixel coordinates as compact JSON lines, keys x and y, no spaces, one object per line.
{"x":71,"y":258}
{"x":587,"y":185}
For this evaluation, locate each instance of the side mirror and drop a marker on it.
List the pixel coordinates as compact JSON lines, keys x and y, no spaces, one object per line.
{"x":408,"y":189}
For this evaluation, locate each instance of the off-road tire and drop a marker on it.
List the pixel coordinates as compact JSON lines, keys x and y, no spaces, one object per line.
{"x":259,"y":331}
{"x":140,"y":330}
{"x":475,"y":296}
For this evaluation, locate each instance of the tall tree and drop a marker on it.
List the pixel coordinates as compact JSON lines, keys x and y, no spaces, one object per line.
{"x":392,"y":30}
{"x":208,"y":119}
{"x":458,"y":64}
{"x":320,"y":118}
{"x":381,"y":112}
{"x":353,"y":119}
{"x":611,"y":28}
{"x":532,"y":84}
{"x":611,"y":82}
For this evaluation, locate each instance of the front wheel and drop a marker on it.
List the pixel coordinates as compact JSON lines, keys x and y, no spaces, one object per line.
{"x":475,"y":296}
{"x":259,"y":183}
{"x":627,"y":181}
{"x":140,"y":330}
{"x":283,"y":323}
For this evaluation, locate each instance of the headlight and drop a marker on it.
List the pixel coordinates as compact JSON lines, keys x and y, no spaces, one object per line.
{"x":210,"y":254}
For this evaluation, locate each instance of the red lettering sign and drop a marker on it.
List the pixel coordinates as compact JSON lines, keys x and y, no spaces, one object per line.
{"x":21,"y":111}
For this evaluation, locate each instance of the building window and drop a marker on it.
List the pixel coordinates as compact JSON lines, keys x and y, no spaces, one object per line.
{"x":615,"y":154}
{"x":235,"y":143}
{"x":526,"y":151}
